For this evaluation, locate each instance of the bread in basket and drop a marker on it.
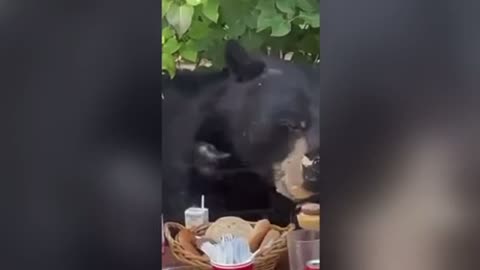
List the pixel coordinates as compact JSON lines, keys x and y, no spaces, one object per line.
{"x":267,"y":259}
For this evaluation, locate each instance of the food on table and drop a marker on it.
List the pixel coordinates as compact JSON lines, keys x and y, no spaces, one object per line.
{"x":309,"y":216}
{"x":229,"y":225}
{"x":289,"y":178}
{"x":257,"y":237}
{"x":188,"y":241}
{"x":259,"y":231}
{"x":312,"y":209}
{"x":271,"y":236}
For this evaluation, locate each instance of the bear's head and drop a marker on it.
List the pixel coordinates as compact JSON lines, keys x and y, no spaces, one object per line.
{"x":270,"y":109}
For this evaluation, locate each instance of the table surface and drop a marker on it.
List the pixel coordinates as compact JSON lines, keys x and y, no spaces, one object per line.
{"x":169,"y":261}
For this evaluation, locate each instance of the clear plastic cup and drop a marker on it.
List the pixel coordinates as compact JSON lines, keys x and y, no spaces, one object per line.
{"x":303,"y":246}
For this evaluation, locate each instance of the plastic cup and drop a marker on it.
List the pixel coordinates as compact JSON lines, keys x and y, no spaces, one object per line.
{"x":303,"y":246}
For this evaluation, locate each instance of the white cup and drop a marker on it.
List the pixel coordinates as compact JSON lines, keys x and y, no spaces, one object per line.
{"x":196,"y":216}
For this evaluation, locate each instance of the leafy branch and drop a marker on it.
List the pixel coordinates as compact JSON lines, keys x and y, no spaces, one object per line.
{"x":195,"y":31}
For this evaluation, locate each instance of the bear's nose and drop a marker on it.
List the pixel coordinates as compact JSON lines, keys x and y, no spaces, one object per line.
{"x":311,"y":172}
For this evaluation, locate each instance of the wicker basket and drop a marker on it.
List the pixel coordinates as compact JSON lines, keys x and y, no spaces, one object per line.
{"x":265,"y":260}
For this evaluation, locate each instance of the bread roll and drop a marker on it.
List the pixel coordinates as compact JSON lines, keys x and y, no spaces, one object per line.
{"x":309,"y":217}
{"x":272,"y":235}
{"x":308,"y":222}
{"x":312,"y":209}
{"x":188,"y":241}
{"x":229,"y":225}
{"x":259,"y":231}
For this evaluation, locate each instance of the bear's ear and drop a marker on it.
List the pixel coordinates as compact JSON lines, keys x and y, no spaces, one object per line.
{"x":241,"y":64}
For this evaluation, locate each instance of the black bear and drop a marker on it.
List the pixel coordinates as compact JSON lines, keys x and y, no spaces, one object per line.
{"x":254,"y":111}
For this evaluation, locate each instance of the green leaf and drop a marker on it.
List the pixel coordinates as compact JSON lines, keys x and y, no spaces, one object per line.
{"x":308,"y":5}
{"x":194,"y":2}
{"x":236,"y":16}
{"x":280,"y":27}
{"x":312,"y":19}
{"x":168,"y":64}
{"x":203,"y":44}
{"x":286,"y":6}
{"x":206,"y":44}
{"x":199,"y":30}
{"x":267,"y":6}
{"x":171,"y":46}
{"x":210,"y":10}
{"x":218,"y":34}
{"x":189,"y":51}
{"x":189,"y":55}
{"x":237,"y":29}
{"x":251,"y":19}
{"x":180,"y":17}
{"x":167,"y":32}
{"x":215,"y":53}
{"x":165,"y":6}
{"x":264,"y":21}
{"x":268,"y":14}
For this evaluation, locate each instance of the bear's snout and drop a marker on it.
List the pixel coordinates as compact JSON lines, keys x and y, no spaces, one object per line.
{"x":296,"y":177}
{"x":311,"y":173}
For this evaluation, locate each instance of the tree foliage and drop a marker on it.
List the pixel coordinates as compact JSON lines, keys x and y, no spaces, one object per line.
{"x":196,"y":30}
